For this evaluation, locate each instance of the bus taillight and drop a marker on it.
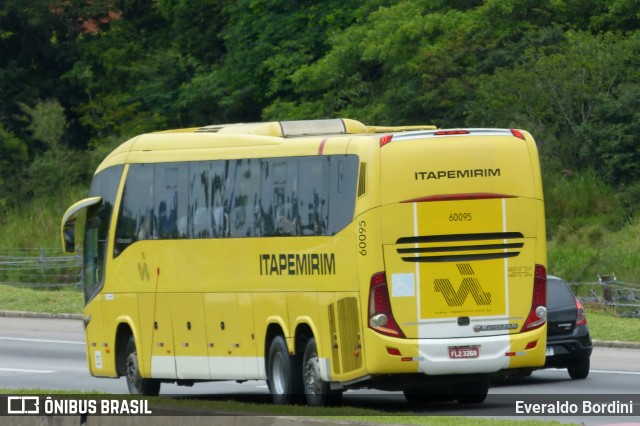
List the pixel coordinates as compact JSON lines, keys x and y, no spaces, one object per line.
{"x":538,"y":314}
{"x":385,"y":140}
{"x":380,"y":315}
{"x":518,"y":134}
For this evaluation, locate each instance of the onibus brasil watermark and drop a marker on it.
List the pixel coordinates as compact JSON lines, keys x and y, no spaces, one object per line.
{"x":40,"y":405}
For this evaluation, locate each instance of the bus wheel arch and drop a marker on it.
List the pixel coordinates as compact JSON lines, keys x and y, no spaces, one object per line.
{"x":302,"y":336}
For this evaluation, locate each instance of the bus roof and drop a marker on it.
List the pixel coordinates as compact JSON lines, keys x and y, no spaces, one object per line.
{"x":238,"y":135}
{"x":301,"y":128}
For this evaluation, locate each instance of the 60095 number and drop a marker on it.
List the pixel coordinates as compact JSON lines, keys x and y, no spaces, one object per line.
{"x":460,"y":217}
{"x":362,"y":238}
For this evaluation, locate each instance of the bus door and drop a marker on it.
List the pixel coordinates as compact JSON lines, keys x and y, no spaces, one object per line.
{"x":94,"y":261}
{"x":94,"y":266}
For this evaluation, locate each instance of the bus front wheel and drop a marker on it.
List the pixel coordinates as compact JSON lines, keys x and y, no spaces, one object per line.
{"x":284,"y":372}
{"x":136,"y":384}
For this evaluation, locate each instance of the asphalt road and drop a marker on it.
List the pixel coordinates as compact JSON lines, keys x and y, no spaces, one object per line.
{"x":41,"y":353}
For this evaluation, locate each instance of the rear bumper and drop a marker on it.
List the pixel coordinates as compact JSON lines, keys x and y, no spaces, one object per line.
{"x":497,"y":354}
{"x":568,"y":349}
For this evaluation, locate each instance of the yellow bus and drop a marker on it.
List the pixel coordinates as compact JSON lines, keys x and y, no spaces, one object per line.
{"x":318,"y":255}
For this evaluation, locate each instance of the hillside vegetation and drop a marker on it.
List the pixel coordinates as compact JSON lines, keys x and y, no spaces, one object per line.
{"x":77,"y":78}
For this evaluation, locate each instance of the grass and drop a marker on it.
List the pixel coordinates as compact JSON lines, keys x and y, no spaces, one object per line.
{"x":581,"y":254}
{"x":44,"y":301}
{"x":606,"y":326}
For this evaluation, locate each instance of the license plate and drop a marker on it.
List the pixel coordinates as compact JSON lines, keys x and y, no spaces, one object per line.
{"x":464,"y":352}
{"x":549,"y":351}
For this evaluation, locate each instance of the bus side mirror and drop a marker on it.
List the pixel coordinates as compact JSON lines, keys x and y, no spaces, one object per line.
{"x":69,"y":237}
{"x":69,"y":221}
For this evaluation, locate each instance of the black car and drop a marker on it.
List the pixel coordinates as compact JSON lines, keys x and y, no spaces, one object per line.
{"x":568,"y":340}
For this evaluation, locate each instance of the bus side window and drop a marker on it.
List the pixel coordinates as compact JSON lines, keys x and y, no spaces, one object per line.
{"x":136,"y":220}
{"x":313,"y":198}
{"x":244,"y":198}
{"x":344,"y":177}
{"x":205,"y":211}
{"x":171,"y":200}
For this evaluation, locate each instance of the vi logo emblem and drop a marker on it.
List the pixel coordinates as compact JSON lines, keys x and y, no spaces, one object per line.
{"x":469,"y":285}
{"x":143,"y":269}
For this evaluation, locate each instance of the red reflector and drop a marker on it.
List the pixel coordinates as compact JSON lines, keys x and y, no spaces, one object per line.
{"x":531,"y":345}
{"x":451,"y":132}
{"x":510,"y":354}
{"x":393,"y":351}
{"x":517,"y":133}
{"x":407,"y":358}
{"x":385,"y":140}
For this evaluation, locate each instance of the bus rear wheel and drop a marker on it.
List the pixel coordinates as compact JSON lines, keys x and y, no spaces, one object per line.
{"x":136,"y":384}
{"x":284,"y":373}
{"x":317,"y":391}
{"x":474,"y":392}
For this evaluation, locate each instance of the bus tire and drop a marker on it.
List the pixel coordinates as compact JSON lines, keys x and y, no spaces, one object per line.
{"x":284,"y":373}
{"x":474,"y":392}
{"x":428,"y":394}
{"x":136,"y":384}
{"x":317,"y":391}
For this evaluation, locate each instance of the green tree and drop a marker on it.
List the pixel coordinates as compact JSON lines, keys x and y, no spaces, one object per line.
{"x":266,"y":43}
{"x":418,"y":61}
{"x":13,"y":158}
{"x":128,"y":75}
{"x":579,"y":100}
{"x":58,"y":166}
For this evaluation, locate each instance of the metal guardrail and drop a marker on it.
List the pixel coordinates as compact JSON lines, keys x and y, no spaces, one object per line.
{"x":40,"y":268}
{"x":608,"y":292}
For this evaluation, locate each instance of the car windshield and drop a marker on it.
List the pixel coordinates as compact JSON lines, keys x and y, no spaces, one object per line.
{"x":558,"y":294}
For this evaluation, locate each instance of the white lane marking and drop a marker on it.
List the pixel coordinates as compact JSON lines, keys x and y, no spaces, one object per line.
{"x":23,"y":370}
{"x":564,"y":370}
{"x":614,"y":372}
{"x":62,"y":342}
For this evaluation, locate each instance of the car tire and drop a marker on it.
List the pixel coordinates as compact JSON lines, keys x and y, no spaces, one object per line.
{"x":580,"y":369}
